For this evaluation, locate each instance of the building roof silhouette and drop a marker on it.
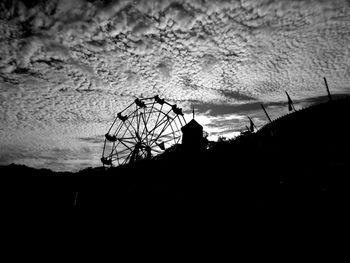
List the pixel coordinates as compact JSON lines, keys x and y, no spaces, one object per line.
{"x":192,"y":126}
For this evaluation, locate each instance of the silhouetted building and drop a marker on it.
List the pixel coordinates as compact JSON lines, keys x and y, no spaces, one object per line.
{"x":192,"y":136}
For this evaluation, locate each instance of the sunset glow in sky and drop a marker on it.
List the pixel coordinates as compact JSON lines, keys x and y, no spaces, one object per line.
{"x":68,"y":66}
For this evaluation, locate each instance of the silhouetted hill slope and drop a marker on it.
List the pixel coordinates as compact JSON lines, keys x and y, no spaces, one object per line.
{"x":296,"y":166}
{"x":325,"y":122}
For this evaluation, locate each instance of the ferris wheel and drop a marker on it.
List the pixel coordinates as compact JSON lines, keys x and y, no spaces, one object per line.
{"x":142,"y":130}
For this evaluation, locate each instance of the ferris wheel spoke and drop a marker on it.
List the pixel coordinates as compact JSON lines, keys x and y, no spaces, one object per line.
{"x":130,"y":148}
{"x":164,"y":128}
{"x":120,"y":158}
{"x":144,"y":126}
{"x":165,"y":116}
{"x":177,"y":127}
{"x":123,"y":151}
{"x":112,"y":148}
{"x":126,"y":138}
{"x":130,"y":124}
{"x":149,"y":113}
{"x":144,"y":129}
{"x":127,"y":142}
{"x":123,"y":123}
{"x":127,"y":129}
{"x":123,"y":158}
{"x":146,"y":121}
{"x":114,"y":157}
{"x":146,"y":139}
{"x":173,"y":131}
{"x":158,"y":125}
{"x":140,"y":121}
{"x":132,"y":113}
{"x":137,"y":123}
{"x":127,"y":108}
{"x":160,"y":111}
{"x":125,"y":155}
{"x":148,"y":134}
{"x":116,"y":154}
{"x":127,"y":158}
{"x":118,"y":128}
{"x":115,"y":119}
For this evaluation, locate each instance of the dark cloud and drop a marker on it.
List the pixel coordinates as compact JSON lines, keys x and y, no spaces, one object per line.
{"x":95,"y":140}
{"x":225,"y":109}
{"x":237,"y":96}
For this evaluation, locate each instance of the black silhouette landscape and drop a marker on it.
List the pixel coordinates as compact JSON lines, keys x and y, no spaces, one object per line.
{"x":174,"y":117}
{"x":294,"y":167}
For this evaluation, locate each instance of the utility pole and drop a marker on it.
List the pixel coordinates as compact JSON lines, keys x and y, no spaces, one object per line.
{"x":262,"y":106}
{"x":290,"y":103}
{"x":252,"y":125}
{"x":329,"y":94}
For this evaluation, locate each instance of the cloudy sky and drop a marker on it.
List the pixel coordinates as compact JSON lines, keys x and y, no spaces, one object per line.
{"x":68,"y":66}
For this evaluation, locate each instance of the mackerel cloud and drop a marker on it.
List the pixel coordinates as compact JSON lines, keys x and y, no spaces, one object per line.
{"x":67,"y":66}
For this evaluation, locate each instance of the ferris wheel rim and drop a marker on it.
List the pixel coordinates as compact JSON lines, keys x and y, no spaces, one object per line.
{"x":146,"y":144}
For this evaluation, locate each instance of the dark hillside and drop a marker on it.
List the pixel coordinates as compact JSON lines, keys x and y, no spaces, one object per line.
{"x":295,"y":167}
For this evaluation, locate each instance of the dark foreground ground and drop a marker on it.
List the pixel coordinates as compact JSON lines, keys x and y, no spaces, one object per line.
{"x":292,"y":173}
